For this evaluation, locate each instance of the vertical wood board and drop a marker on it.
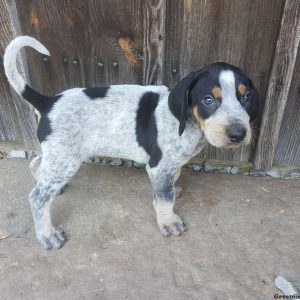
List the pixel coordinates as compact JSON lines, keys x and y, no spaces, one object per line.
{"x":17,"y":118}
{"x":288,"y":147}
{"x":235,"y":31}
{"x":279,"y":84}
{"x":85,"y":40}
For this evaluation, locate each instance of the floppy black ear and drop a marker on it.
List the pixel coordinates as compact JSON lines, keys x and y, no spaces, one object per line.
{"x":179,"y":98}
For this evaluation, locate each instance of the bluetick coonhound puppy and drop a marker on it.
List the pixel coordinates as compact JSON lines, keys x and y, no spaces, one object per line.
{"x":148,"y":124}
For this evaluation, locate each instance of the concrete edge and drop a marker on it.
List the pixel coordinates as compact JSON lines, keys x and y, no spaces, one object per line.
{"x":195,"y":164}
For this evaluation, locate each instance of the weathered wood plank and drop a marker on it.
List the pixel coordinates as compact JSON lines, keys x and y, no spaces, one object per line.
{"x":288,"y":146}
{"x":91,"y":42}
{"x":279,"y":84}
{"x":235,"y":31}
{"x":154,"y":41}
{"x":17,"y":118}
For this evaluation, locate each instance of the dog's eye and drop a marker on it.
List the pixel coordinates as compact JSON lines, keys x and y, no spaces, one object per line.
{"x":208,"y":100}
{"x":246,"y":97}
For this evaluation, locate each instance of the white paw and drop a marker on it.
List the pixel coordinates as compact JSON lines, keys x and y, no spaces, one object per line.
{"x":54,"y":240}
{"x":171,"y":225}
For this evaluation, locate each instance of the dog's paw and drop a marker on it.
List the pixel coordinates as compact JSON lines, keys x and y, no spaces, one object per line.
{"x":171,"y":226}
{"x":54,"y":240}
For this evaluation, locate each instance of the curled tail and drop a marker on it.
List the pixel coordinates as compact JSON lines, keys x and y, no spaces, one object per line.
{"x":40,"y":102}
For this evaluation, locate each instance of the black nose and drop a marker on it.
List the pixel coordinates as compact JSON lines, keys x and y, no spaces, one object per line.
{"x":236,"y":133}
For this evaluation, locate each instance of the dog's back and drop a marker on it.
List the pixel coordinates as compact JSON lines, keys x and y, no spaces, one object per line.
{"x":105,"y":121}
{"x":103,"y":124}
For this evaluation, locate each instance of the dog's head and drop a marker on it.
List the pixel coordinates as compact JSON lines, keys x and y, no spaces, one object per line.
{"x":222,"y":99}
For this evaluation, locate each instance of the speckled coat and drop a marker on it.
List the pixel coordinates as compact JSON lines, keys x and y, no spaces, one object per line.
{"x":147,"y":124}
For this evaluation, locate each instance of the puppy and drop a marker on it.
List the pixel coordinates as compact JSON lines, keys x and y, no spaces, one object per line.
{"x":148,"y":124}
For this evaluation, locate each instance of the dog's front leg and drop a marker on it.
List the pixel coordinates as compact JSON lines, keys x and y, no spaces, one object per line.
{"x":164,"y":199}
{"x":178,"y":189}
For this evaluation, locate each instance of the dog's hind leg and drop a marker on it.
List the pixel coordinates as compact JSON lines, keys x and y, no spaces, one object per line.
{"x":162,"y":179}
{"x":35,"y":169}
{"x":55,"y":171}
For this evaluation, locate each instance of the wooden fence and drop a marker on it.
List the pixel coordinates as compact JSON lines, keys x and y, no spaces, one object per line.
{"x":98,"y":42}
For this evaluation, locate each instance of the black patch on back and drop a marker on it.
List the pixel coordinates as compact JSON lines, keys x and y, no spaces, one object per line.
{"x":44,"y":105}
{"x":146,"y":129}
{"x":96,"y":92}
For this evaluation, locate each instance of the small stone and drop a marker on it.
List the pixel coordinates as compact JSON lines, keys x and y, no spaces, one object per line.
{"x":274,"y":172}
{"x":197,"y":168}
{"x":30,"y":154}
{"x":128,"y":163}
{"x":97,"y":159}
{"x":257,"y":173}
{"x":291,"y":174}
{"x":295,"y":174}
{"x":235,"y":170}
{"x":225,"y":170}
{"x":137,"y":165}
{"x":285,"y":286}
{"x":17,"y":154}
{"x":105,"y":162}
{"x":209,"y":168}
{"x":116,"y":162}
{"x":88,"y":160}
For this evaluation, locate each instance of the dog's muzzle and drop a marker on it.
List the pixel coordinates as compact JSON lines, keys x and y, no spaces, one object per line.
{"x":236,"y":133}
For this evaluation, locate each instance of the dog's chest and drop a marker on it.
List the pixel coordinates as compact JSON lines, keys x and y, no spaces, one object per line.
{"x":194,"y":142}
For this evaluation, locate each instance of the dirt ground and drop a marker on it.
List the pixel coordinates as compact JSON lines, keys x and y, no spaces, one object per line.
{"x":242,"y":232}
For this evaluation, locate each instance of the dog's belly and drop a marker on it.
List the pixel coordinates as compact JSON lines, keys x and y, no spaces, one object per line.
{"x":114,"y":139}
{"x":122,"y":151}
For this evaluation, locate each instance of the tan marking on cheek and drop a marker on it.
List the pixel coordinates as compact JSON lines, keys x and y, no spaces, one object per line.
{"x":242,"y":89}
{"x":199,"y":119}
{"x":216,"y":92}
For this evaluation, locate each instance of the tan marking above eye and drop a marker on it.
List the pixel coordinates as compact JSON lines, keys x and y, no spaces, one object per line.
{"x":242,"y":89}
{"x":198,"y":118}
{"x":216,"y":92}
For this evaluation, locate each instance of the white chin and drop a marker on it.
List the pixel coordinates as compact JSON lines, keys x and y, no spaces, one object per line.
{"x":220,"y":145}
{"x":226,"y":144}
